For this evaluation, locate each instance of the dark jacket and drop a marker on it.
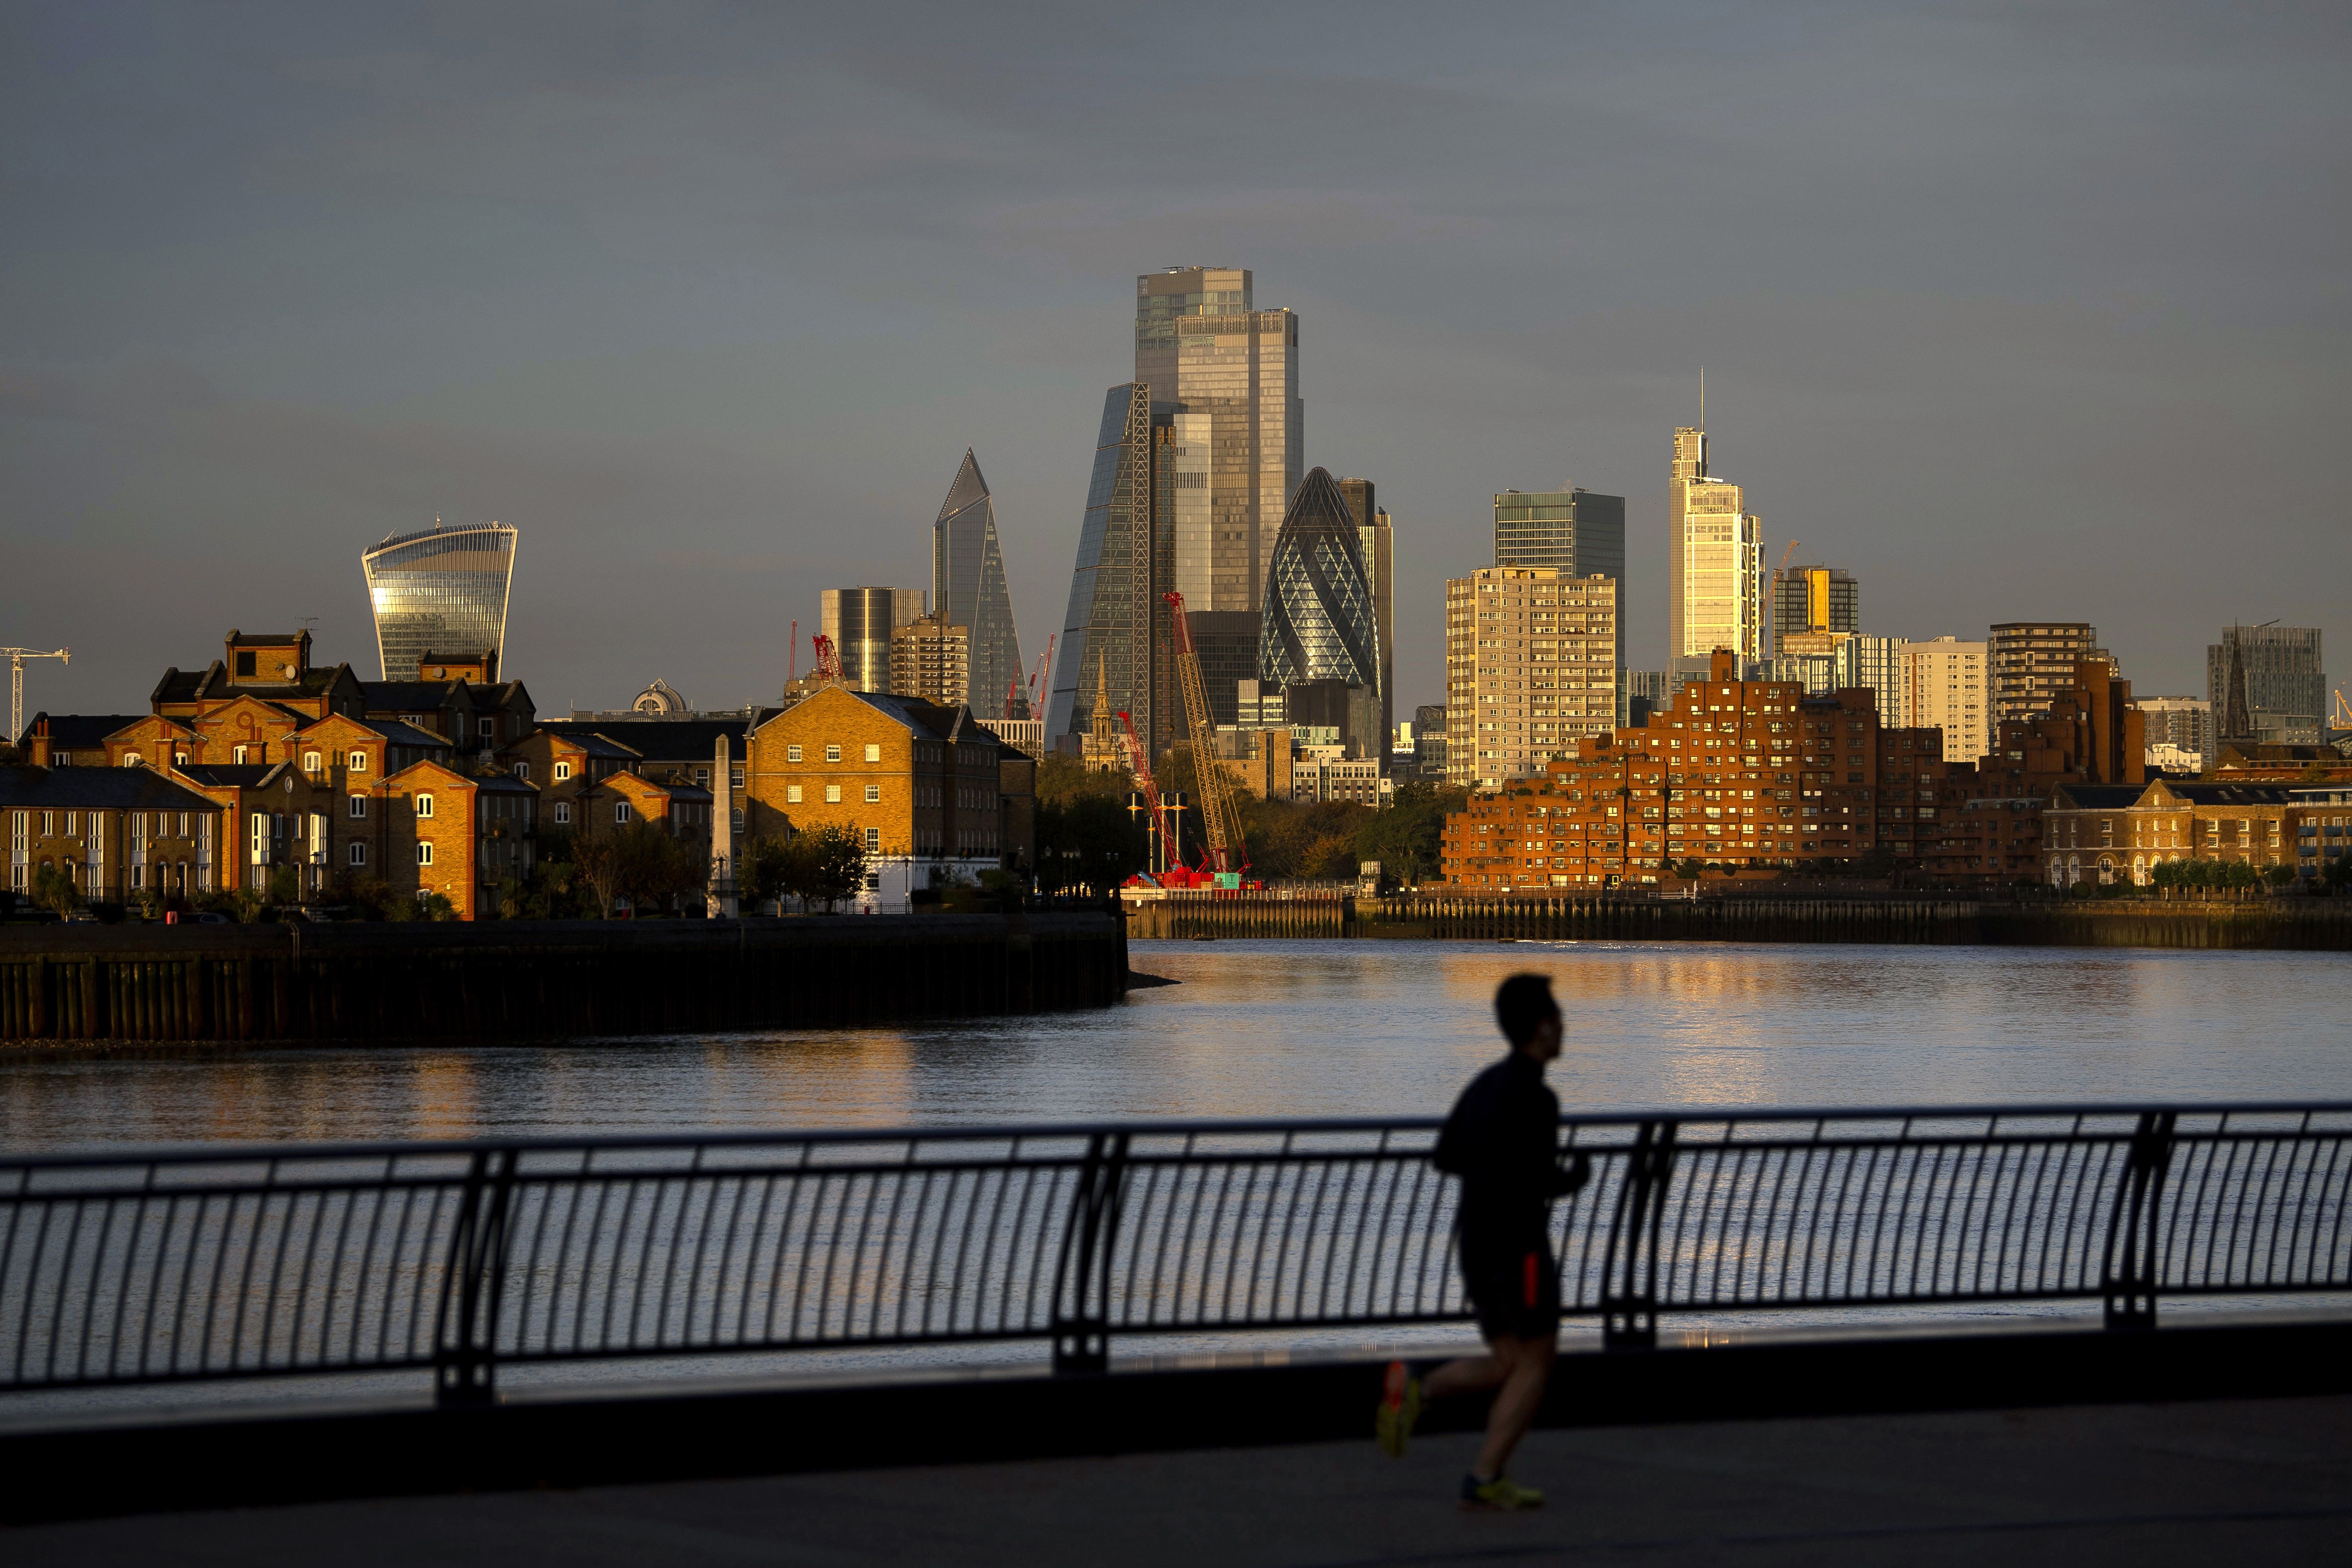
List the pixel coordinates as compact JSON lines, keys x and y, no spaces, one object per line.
{"x":1503,"y":1141}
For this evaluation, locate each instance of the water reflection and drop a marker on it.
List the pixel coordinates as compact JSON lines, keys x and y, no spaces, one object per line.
{"x":1287,"y":1029}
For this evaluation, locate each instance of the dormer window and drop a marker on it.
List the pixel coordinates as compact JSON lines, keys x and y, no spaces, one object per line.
{"x":245,"y":664}
{"x":563,"y":771}
{"x":522,"y":772}
{"x":131,"y":760}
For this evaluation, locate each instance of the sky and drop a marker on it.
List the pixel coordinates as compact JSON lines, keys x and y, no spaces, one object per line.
{"x":2010,"y":310}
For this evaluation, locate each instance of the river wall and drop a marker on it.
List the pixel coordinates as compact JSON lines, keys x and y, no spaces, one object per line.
{"x":508,"y":981}
{"x":2323,"y":925}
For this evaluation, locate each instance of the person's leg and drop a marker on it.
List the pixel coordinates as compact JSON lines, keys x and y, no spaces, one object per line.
{"x":1525,"y":1371}
{"x":1469,"y":1374}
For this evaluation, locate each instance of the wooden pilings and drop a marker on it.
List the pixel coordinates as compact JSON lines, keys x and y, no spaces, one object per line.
{"x":515,"y":980}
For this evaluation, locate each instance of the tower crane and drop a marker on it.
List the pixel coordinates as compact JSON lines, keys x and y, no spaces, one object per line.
{"x":1141,"y":766}
{"x":16,"y":657}
{"x":1221,"y":817}
{"x":2342,"y":717}
{"x":1045,"y":666}
{"x":828,"y":663}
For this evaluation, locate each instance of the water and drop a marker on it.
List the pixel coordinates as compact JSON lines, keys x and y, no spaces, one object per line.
{"x":1315,"y":1028}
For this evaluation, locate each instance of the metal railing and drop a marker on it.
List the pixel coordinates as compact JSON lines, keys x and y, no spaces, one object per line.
{"x":458,"y":1259}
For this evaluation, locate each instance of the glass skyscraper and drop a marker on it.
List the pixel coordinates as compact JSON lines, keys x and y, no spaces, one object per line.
{"x":860,"y":621}
{"x":1108,"y":633}
{"x":2279,"y":694}
{"x":1317,"y":627}
{"x":442,"y":592}
{"x":1576,"y":532}
{"x":968,"y":587}
{"x":1714,"y":562}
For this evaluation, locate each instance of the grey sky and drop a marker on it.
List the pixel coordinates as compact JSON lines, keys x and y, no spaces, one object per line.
{"x":2009,"y":310}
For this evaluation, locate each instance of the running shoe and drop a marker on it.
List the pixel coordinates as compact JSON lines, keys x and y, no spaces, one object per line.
{"x":1500,"y":1495}
{"x":1400,"y":1408}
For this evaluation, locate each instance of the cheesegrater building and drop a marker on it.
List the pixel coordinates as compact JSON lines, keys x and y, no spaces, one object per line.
{"x":968,"y":587}
{"x":440,"y":592}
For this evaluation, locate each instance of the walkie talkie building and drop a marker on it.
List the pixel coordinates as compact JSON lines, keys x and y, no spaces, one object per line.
{"x":442,"y":592}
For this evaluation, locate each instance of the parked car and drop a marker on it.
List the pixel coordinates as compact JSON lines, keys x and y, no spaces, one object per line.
{"x":208,"y":917}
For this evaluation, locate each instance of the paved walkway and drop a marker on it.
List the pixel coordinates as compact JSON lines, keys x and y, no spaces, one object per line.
{"x":2246,"y":1481}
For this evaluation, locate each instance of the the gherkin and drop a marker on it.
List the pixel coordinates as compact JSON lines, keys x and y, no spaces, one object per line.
{"x":1319,"y":622}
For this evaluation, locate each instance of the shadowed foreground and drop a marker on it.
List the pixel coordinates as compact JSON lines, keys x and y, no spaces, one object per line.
{"x":2267,"y":1481}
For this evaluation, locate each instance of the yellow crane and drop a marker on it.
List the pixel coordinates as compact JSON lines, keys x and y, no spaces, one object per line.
{"x":1221,"y":817}
{"x":2342,"y":717}
{"x":16,"y":657}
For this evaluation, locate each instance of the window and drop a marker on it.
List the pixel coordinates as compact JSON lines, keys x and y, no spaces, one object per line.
{"x":872,"y":793}
{"x":620,"y":810}
{"x":702,"y":778}
{"x":245,"y":664}
{"x":358,"y":806}
{"x":522,"y":772}
{"x":873,"y":839}
{"x":833,"y":754}
{"x":832,"y":794}
{"x":791,"y":794}
{"x":424,"y":852}
{"x":310,"y":762}
{"x":488,"y":728}
{"x":564,"y":811}
{"x":356,"y":762}
{"x":791,"y":754}
{"x":359,"y":853}
{"x":738,"y":819}
{"x":873,"y":751}
{"x":563,"y":771}
{"x":131,"y":760}
{"x":424,"y":805}
{"x":735,"y":779}
{"x":239,"y":754}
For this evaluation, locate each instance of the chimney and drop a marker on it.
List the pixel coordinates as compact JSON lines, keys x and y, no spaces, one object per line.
{"x":40,"y":758}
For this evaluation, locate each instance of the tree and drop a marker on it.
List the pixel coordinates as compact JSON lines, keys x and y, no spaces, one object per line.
{"x":1062,"y":779}
{"x":763,"y":870}
{"x":1090,"y":842}
{"x":2338,"y":873}
{"x":54,"y":889}
{"x":1407,"y":838}
{"x":1691,"y":870}
{"x":286,"y":885}
{"x":827,"y":863}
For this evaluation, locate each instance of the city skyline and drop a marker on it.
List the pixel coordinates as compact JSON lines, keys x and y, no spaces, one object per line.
{"x":346,"y":314}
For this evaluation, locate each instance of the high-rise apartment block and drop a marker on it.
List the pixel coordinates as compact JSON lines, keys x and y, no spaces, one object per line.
{"x":1375,"y":531}
{"x":968,"y":587}
{"x":1231,"y":373}
{"x":932,"y":659}
{"x":860,"y":621}
{"x":1942,"y":688}
{"x":1530,"y":667}
{"x":1714,"y":563}
{"x":440,"y":592}
{"x":1815,"y":598}
{"x":2285,"y":684}
{"x":2179,"y":733}
{"x":2027,"y":663}
{"x":1875,"y":664}
{"x":1576,"y":532}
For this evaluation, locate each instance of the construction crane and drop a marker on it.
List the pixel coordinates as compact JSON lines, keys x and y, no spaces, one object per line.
{"x":1045,"y":666}
{"x":828,"y":663}
{"x":792,"y":653}
{"x":16,"y":657}
{"x":1141,"y":766}
{"x":1011,"y":694}
{"x":1221,"y":817}
{"x":2342,"y":717}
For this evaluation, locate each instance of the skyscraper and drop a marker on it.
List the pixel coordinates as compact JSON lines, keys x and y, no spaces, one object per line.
{"x":1108,"y":631}
{"x":1714,"y":563}
{"x":1576,"y":532}
{"x":1813,"y":598}
{"x":2285,"y":686}
{"x":1531,"y":669}
{"x":1318,"y":638}
{"x":1376,"y":532}
{"x":2028,"y":663}
{"x":443,"y":591}
{"x":1230,"y":372}
{"x":968,"y":587}
{"x":1943,"y":687}
{"x":860,"y":621}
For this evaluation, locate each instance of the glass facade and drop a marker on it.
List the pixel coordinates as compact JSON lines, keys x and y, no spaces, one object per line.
{"x":1318,"y":624}
{"x":1108,"y":631}
{"x":1815,"y":598}
{"x":860,"y":621}
{"x":1715,"y":560}
{"x":2282,"y":695}
{"x":968,"y":587}
{"x":443,"y":590}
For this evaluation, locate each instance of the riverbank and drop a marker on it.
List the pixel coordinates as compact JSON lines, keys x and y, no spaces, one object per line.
{"x":2300,"y":924}
{"x":77,"y":988}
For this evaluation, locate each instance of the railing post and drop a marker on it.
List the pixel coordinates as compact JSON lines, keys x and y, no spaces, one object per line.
{"x":2129,"y":1287}
{"x":465,"y":1344}
{"x":1629,"y":1276}
{"x":1081,"y":1323}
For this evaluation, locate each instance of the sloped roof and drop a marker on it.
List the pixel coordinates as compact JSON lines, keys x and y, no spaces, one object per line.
{"x":660,"y":739}
{"x":401,"y":732}
{"x":2220,"y":794}
{"x":2104,"y":797}
{"x":80,"y":731}
{"x":96,"y":788}
{"x":410,"y":696}
{"x":224,"y":775}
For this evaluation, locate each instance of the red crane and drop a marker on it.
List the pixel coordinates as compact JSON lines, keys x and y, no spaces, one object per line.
{"x":828,"y":663}
{"x":1141,"y":766}
{"x":1044,"y":667}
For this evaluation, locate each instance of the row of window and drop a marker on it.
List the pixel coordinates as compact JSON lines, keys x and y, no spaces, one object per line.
{"x":832,"y":797}
{"x":793,"y":754}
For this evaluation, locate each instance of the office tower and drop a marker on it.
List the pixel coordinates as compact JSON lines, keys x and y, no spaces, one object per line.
{"x":1530,"y":666}
{"x":968,"y":587}
{"x":440,"y":592}
{"x":1943,"y":687}
{"x":1316,"y":636}
{"x":1715,"y":564}
{"x":1115,"y":609}
{"x":1375,"y":532}
{"x":1815,"y":598}
{"x":1640,"y":694}
{"x":1878,"y":666}
{"x":1231,"y":373}
{"x":2179,"y":733}
{"x":2027,"y":663}
{"x":860,"y":621}
{"x":1577,"y":532}
{"x":2285,"y":684}
{"x":932,"y":659}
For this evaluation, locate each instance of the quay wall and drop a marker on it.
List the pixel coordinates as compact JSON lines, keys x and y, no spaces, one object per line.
{"x":2298,"y":924}
{"x":540,"y":980}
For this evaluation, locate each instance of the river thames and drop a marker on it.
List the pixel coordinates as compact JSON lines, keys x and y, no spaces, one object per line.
{"x":1317,"y":1027}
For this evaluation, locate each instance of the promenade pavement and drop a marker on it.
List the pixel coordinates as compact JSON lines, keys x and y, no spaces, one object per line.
{"x":2244,"y":1480}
